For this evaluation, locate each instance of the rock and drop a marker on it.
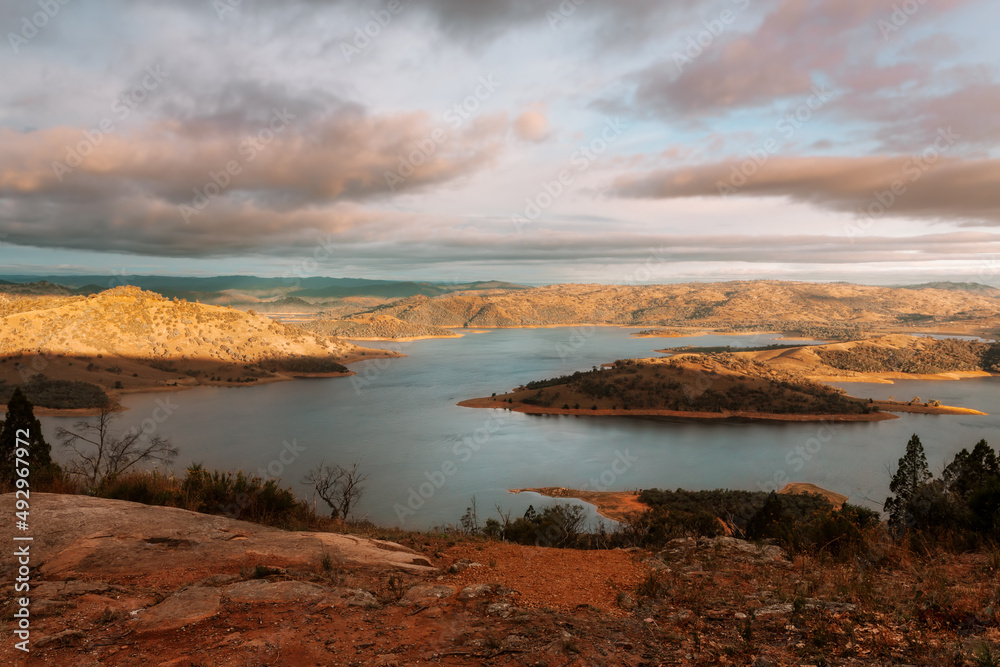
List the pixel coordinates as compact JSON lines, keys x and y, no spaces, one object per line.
{"x":348,"y":597}
{"x":91,"y":538}
{"x":424,"y":592}
{"x":501,"y":609}
{"x":462,"y":565}
{"x":262,"y":591}
{"x":474,"y":591}
{"x":218,"y":580}
{"x":60,"y":590}
{"x":810,"y":603}
{"x":58,"y":639}
{"x":185,"y":607}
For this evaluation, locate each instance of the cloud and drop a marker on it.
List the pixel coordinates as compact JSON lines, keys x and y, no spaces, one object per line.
{"x":280,"y":156}
{"x":725,"y":62}
{"x":929,"y":185}
{"x":532,"y":126}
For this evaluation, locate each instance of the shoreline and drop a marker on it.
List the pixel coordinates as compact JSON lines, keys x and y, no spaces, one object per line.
{"x":680,"y":414}
{"x":617,"y":505}
{"x":612,"y":505}
{"x":404,"y":339}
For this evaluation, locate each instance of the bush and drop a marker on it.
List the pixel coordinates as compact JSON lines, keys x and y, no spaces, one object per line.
{"x":241,"y":496}
{"x":148,"y":488}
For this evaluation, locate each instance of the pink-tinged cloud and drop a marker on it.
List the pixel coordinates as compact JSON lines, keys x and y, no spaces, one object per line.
{"x":532,"y":126}
{"x":723,"y":64}
{"x":931,"y":185}
{"x":346,"y":154}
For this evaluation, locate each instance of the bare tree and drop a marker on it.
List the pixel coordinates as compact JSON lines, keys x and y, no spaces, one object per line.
{"x":99,"y":453}
{"x":339,"y":487}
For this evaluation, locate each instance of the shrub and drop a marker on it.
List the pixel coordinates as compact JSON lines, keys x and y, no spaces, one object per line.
{"x":241,"y":496}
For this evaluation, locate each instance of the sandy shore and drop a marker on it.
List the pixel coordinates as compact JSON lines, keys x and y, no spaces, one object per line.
{"x":405,"y":339}
{"x":887,"y":378}
{"x":617,"y":505}
{"x":614,"y":505}
{"x":677,"y":414}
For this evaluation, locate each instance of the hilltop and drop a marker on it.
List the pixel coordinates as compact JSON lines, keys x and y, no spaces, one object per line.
{"x":817,"y":310}
{"x":814,"y":309}
{"x":127,"y":339}
{"x":776,"y":383}
{"x":692,"y":386}
{"x":884,"y":358}
{"x":379,"y":327}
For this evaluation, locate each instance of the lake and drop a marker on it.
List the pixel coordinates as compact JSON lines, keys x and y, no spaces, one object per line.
{"x":426,"y":457}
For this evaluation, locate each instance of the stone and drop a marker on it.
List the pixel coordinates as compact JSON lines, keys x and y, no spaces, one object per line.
{"x":348,"y":597}
{"x":474,"y":591}
{"x":185,"y":607}
{"x":263,"y":591}
{"x":425,"y":592}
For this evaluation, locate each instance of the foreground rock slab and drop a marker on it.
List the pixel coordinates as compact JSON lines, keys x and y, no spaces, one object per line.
{"x":78,"y":537}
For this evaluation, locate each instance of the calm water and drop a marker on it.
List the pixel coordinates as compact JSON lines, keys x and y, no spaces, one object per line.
{"x":426,"y":456}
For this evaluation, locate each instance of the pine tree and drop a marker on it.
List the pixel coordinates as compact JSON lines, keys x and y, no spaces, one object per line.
{"x":21,"y":417}
{"x":911,"y":476}
{"x":969,"y":472}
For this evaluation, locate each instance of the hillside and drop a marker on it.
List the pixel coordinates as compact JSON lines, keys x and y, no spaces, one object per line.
{"x":884,"y":358}
{"x":702,"y":386}
{"x":126,"y":339}
{"x":732,"y":306}
{"x":380,"y":327}
{"x":122,"y":584}
{"x":767,"y":383}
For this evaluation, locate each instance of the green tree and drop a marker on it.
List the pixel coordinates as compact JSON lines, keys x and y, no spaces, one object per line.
{"x":911,"y":476}
{"x":969,"y":472}
{"x":21,"y":418}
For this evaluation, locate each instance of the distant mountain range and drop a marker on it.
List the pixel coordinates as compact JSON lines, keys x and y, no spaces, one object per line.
{"x":237,"y":290}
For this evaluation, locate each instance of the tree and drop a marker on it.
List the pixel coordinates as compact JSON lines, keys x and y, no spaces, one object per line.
{"x":99,"y":454}
{"x":470,"y":520}
{"x":910,"y":477}
{"x":339,"y":487}
{"x":969,"y":472}
{"x":20,"y":419}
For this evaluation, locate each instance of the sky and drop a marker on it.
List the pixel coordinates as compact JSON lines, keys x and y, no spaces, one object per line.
{"x":612,"y":141}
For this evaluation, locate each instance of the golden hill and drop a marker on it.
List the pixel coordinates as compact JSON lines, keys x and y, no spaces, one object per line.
{"x":126,"y":339}
{"x":378,"y":327}
{"x":759,"y":384}
{"x":710,"y":386}
{"x":741,"y":305}
{"x":884,"y":358}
